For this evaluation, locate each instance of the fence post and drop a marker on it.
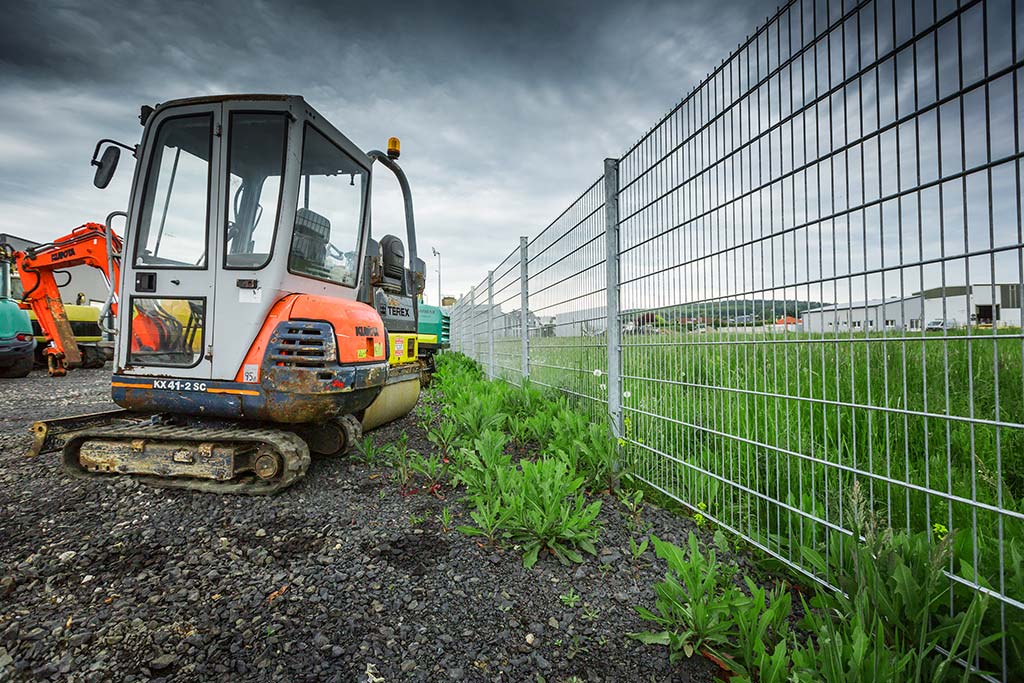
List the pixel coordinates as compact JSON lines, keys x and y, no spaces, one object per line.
{"x":524,"y":307}
{"x":456,"y":319}
{"x":453,"y":326}
{"x":490,"y":324}
{"x":611,"y":233}
{"x":472,"y":319}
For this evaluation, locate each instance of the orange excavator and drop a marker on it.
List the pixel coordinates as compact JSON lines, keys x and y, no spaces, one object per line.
{"x":91,"y":244}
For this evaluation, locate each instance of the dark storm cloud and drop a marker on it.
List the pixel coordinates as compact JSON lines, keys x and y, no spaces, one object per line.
{"x":505,"y":109}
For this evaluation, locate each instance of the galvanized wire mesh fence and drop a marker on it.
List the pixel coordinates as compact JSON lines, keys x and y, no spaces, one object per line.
{"x":567,"y":301}
{"x":477,"y":323}
{"x":815,"y":288}
{"x":506,"y":304}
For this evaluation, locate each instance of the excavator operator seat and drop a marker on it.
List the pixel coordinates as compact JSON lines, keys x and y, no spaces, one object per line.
{"x":393,"y":294}
{"x":393,"y":257}
{"x":310,"y":238}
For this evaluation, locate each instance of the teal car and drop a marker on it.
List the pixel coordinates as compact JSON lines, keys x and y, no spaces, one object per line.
{"x":17,"y":344}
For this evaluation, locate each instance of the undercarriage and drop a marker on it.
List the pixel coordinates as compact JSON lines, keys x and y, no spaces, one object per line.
{"x":217,"y":455}
{"x":172,"y":451}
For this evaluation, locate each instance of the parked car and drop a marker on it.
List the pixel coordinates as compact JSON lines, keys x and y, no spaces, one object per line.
{"x":938,"y":325}
{"x":17,"y":344}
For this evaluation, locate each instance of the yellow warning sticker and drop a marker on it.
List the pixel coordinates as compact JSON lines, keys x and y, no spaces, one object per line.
{"x":361,"y":353}
{"x":378,"y":349}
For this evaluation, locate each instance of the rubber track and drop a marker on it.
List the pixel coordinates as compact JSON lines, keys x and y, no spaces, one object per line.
{"x":291,"y":448}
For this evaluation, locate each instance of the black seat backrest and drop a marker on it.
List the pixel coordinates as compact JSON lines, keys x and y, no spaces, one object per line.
{"x":310,"y":238}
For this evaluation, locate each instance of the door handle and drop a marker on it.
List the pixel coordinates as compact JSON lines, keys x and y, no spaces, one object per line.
{"x":145,"y":282}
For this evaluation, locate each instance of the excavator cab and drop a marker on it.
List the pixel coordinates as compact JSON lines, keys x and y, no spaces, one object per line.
{"x":253,"y":292}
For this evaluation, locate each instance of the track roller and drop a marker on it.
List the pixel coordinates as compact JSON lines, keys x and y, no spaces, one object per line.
{"x":334,"y":437}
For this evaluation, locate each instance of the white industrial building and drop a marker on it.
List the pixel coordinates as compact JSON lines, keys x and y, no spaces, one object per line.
{"x":958,"y":306}
{"x":586,"y":322}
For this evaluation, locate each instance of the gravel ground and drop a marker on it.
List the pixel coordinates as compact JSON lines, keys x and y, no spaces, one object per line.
{"x":339,"y":578}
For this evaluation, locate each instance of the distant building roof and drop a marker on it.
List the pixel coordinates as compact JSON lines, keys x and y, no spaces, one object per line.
{"x":871,"y":303}
{"x":17,"y":242}
{"x":931,"y":293}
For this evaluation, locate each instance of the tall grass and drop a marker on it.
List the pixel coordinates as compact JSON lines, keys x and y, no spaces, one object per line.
{"x":770,"y":431}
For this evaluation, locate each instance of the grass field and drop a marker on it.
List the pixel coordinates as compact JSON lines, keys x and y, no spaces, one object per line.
{"x":768,"y":432}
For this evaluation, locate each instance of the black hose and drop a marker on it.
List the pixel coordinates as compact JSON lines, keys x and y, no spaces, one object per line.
{"x":39,"y":280}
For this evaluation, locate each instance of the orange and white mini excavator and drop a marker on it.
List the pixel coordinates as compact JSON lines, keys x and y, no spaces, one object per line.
{"x":89,"y":245}
{"x":259,"y":320}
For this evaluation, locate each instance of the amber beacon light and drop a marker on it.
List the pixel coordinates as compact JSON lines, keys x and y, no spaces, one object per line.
{"x":394,"y":148}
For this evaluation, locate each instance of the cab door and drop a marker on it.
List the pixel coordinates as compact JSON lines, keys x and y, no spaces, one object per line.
{"x":253,"y":244}
{"x":169,"y":265}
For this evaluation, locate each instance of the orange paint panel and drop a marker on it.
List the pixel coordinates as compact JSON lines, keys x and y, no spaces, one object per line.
{"x":354,"y":323}
{"x":280,"y":311}
{"x":240,"y":392}
{"x":128,"y":385}
{"x":357,"y":327}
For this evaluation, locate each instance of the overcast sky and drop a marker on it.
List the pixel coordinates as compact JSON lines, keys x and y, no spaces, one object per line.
{"x":505,"y":109}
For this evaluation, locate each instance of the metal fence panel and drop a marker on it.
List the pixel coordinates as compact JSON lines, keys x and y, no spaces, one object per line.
{"x":568,"y":294}
{"x":457,"y":325}
{"x":479,"y":310}
{"x":508,"y":320}
{"x":820,"y":286}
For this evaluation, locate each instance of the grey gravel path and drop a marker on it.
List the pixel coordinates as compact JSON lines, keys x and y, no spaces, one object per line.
{"x":336,"y":579}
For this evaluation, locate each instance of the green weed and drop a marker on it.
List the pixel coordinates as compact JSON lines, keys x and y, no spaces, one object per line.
{"x":694,"y":603}
{"x":547,"y":511}
{"x":445,"y":436}
{"x":637,"y":550}
{"x":445,"y":518}
{"x":882,"y":625}
{"x":490,"y":518}
{"x":483,"y":468}
{"x":431,"y":469}
{"x":369,"y":451}
{"x":401,"y":458}
{"x":570,"y":599}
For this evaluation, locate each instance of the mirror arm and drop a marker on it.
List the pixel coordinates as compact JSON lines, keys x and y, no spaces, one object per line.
{"x":96,"y":152}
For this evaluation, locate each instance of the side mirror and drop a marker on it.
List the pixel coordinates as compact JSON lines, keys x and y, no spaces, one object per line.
{"x":106,"y":166}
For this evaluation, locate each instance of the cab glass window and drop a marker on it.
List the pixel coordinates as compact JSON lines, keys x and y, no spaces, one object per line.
{"x":325,"y":241}
{"x":172,"y":228}
{"x":256,"y":151}
{"x":167,"y":331}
